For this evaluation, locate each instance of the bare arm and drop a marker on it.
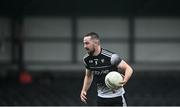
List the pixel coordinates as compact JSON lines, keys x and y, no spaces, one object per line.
{"x":127,"y":70}
{"x":86,"y":85}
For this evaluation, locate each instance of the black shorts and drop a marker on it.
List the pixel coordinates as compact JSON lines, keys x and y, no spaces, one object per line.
{"x":116,"y":101}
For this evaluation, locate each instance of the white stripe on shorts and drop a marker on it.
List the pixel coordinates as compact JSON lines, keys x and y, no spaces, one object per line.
{"x":124,"y":101}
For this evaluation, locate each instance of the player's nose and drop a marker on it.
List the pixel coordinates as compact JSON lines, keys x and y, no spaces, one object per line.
{"x":85,"y":46}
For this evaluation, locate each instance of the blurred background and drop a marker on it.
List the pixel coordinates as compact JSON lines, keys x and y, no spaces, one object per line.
{"x":41,"y":49}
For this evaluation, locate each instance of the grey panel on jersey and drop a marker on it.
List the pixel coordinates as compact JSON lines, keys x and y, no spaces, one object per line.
{"x":115,"y":59}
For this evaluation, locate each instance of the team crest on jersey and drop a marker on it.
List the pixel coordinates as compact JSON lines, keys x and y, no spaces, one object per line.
{"x":102,"y":60}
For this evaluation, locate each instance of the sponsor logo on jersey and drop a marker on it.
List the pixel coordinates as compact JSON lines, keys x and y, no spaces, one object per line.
{"x":101,"y":72}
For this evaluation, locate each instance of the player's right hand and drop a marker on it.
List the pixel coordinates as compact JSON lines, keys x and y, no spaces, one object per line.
{"x":83,"y":97}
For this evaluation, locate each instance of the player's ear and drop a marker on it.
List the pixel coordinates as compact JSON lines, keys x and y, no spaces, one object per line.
{"x":97,"y":42}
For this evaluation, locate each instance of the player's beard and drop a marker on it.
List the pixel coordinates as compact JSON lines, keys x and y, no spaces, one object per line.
{"x":91,"y":52}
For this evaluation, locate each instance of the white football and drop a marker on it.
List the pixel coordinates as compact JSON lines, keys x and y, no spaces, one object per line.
{"x":112,"y":80}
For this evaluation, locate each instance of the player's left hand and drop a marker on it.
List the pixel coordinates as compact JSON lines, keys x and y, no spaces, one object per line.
{"x":122,"y":82}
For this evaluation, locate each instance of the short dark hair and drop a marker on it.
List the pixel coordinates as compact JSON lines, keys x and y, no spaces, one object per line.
{"x":93,"y":35}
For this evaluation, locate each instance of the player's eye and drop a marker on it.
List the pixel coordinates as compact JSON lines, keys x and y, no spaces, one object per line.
{"x":86,"y":43}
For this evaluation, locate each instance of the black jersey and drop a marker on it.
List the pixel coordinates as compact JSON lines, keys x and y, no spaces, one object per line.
{"x":101,"y":65}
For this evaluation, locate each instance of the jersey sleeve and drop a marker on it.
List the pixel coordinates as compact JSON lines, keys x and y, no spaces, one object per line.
{"x":115,"y":59}
{"x":85,"y":63}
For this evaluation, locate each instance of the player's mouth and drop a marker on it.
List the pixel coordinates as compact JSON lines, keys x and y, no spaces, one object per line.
{"x":87,"y":49}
